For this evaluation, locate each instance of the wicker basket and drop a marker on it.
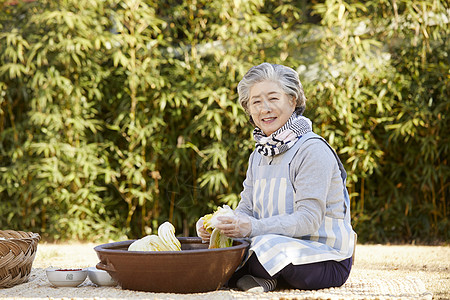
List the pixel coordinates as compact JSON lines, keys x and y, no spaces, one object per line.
{"x":17,"y":253}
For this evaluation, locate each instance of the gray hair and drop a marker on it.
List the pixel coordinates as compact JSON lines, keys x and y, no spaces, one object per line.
{"x":286,"y":77}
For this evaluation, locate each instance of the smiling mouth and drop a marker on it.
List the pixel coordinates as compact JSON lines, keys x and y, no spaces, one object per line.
{"x":268,"y":119}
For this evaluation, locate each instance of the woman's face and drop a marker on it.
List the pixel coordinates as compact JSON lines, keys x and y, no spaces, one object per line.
{"x":269,"y":106}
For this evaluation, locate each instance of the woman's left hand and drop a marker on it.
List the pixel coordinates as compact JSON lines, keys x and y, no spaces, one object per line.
{"x":238,"y":226}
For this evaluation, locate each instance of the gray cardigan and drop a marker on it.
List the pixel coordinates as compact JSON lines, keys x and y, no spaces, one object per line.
{"x":318,"y":186}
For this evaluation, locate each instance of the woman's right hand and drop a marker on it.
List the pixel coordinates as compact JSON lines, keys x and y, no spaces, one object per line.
{"x":238,"y":226}
{"x":201,"y":231}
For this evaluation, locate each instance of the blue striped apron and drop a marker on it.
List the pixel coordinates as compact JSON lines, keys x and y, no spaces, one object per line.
{"x":274,"y":194}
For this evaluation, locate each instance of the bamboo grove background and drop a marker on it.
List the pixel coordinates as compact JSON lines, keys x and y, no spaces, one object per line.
{"x":116,"y":116}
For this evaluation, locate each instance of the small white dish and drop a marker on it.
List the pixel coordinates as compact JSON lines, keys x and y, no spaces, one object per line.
{"x":100,"y":277}
{"x":66,"y":277}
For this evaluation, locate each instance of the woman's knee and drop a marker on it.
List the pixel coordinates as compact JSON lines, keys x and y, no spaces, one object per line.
{"x":316,"y":275}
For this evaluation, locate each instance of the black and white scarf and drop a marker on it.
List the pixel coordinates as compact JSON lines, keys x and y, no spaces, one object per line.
{"x":284,"y":138}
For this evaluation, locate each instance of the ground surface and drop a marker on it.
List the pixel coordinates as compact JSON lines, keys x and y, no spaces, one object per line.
{"x":429,"y":263}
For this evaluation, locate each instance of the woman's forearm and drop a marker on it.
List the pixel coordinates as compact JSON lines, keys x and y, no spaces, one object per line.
{"x":297,"y":224}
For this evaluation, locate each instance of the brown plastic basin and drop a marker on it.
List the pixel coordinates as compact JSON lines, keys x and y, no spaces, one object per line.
{"x":195,"y":269}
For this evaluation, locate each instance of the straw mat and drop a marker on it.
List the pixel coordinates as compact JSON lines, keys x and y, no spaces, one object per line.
{"x":357,"y":287}
{"x":362,"y":288}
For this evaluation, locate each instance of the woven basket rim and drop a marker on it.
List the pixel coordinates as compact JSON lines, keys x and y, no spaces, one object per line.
{"x":29,"y":235}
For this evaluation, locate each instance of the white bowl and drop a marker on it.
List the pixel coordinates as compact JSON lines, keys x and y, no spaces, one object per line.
{"x":100,"y":277}
{"x":63,"y":277}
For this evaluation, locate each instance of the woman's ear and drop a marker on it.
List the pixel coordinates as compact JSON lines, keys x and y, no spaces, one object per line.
{"x":294,"y":102}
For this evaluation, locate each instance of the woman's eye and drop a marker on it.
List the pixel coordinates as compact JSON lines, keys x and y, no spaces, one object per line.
{"x":273,"y":99}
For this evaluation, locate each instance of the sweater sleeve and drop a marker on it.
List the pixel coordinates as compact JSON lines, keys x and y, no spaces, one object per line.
{"x":313,"y":165}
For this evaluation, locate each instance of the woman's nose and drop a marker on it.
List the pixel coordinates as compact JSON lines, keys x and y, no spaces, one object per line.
{"x":266,"y":107}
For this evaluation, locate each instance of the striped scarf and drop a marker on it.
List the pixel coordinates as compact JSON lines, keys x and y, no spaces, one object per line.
{"x":284,"y":138}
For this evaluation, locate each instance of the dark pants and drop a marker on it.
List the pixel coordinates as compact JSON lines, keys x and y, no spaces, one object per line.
{"x":312,"y":276}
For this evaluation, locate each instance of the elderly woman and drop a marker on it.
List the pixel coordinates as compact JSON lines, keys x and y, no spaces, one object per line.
{"x":294,"y":206}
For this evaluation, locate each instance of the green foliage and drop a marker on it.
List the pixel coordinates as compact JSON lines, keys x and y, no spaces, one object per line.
{"x":382,"y":93}
{"x":116,"y":116}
